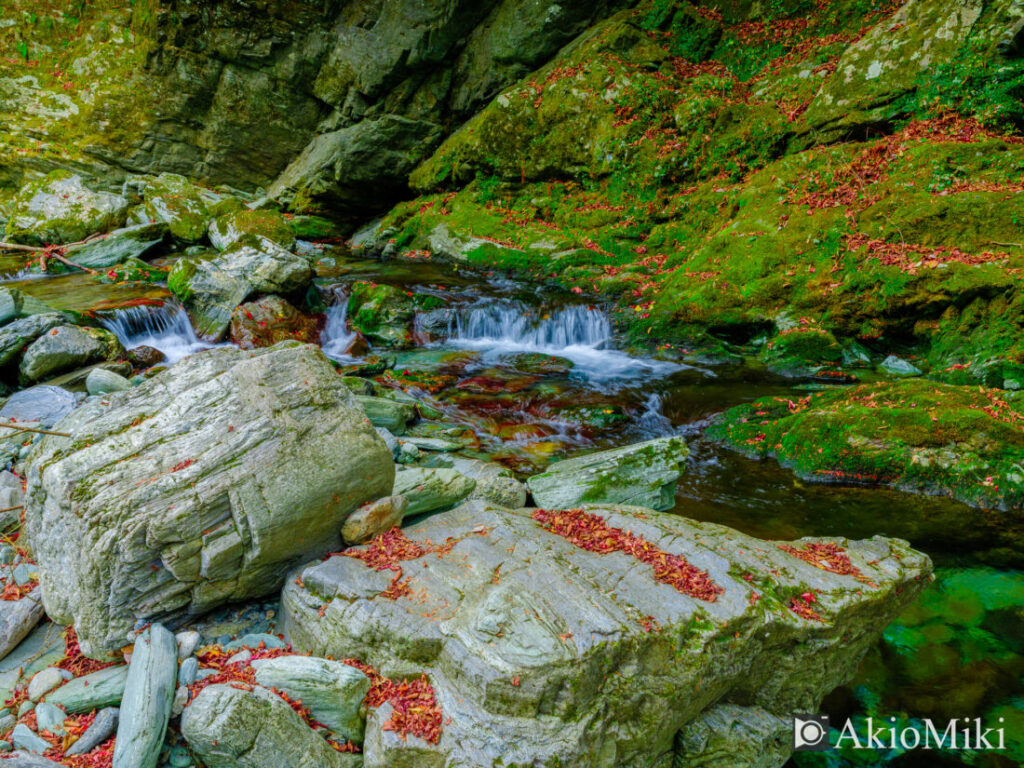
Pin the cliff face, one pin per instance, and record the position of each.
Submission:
(345, 98)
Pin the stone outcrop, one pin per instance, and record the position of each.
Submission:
(542, 651)
(197, 487)
(61, 209)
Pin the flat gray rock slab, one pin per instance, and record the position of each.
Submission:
(202, 485)
(148, 694)
(643, 474)
(96, 690)
(102, 728)
(509, 617)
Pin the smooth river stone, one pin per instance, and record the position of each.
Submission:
(100, 689)
(148, 696)
(101, 729)
(18, 618)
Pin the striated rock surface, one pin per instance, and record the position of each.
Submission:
(199, 486)
(543, 648)
(61, 209)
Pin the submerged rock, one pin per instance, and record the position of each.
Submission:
(61, 209)
(643, 474)
(170, 517)
(514, 612)
(211, 286)
(230, 728)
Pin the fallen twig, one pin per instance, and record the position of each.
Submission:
(21, 428)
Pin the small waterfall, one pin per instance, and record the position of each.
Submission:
(652, 422)
(336, 337)
(578, 333)
(165, 327)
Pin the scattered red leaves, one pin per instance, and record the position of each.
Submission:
(14, 592)
(592, 533)
(910, 257)
(387, 550)
(183, 465)
(416, 710)
(74, 661)
(801, 606)
(827, 556)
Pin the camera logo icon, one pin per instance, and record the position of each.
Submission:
(810, 733)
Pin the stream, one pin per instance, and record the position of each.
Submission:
(533, 375)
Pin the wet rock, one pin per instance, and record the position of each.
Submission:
(494, 483)
(103, 688)
(430, 490)
(529, 619)
(436, 444)
(43, 404)
(230, 728)
(101, 382)
(18, 618)
(333, 692)
(148, 694)
(802, 349)
(66, 348)
(269, 320)
(212, 285)
(643, 474)
(118, 246)
(173, 200)
(386, 413)
(102, 728)
(16, 337)
(359, 386)
(61, 209)
(155, 478)
(382, 313)
(897, 366)
(313, 227)
(228, 229)
(145, 357)
(373, 518)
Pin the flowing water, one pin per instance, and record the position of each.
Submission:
(534, 376)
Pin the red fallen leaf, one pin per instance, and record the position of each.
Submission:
(183, 465)
(515, 681)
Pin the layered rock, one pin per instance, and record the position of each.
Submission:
(61, 209)
(527, 623)
(152, 507)
(213, 285)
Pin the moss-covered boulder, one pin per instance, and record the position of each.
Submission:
(382, 313)
(61, 209)
(916, 435)
(508, 612)
(801, 350)
(227, 229)
(212, 285)
(125, 244)
(175, 201)
(269, 320)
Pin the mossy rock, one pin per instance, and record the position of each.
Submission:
(61, 209)
(174, 200)
(226, 230)
(801, 350)
(382, 313)
(916, 435)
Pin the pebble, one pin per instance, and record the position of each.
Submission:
(179, 757)
(50, 717)
(44, 681)
(26, 707)
(180, 700)
(6, 746)
(241, 656)
(100, 730)
(24, 738)
(254, 640)
(7, 722)
(25, 573)
(187, 643)
(7, 554)
(187, 672)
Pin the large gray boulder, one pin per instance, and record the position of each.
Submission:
(231, 728)
(618, 651)
(200, 486)
(212, 285)
(643, 474)
(61, 209)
